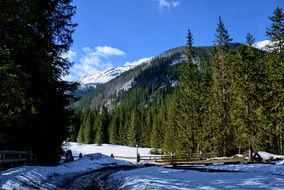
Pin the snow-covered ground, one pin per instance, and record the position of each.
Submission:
(41, 177)
(108, 149)
(268, 156)
(257, 177)
(242, 176)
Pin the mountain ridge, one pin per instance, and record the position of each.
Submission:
(164, 68)
(109, 74)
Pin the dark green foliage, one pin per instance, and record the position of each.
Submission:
(33, 36)
(88, 128)
(114, 127)
(74, 128)
(158, 127)
(170, 142)
(221, 91)
(133, 130)
(14, 101)
(247, 91)
(102, 123)
(274, 99)
(276, 30)
(223, 39)
(187, 121)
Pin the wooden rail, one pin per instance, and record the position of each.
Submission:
(157, 158)
(208, 162)
(172, 158)
(14, 157)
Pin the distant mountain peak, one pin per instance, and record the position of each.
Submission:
(107, 75)
(263, 45)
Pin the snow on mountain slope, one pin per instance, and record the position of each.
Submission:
(262, 45)
(105, 76)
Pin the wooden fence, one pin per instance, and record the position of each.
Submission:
(171, 158)
(11, 158)
(187, 160)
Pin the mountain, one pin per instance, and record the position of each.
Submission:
(105, 76)
(136, 107)
(138, 83)
(141, 84)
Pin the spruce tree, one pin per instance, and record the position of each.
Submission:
(276, 30)
(205, 83)
(133, 129)
(88, 129)
(81, 138)
(143, 130)
(220, 104)
(275, 87)
(170, 138)
(14, 103)
(75, 126)
(148, 127)
(124, 126)
(155, 133)
(99, 134)
(36, 33)
(247, 91)
(113, 130)
(102, 124)
(187, 121)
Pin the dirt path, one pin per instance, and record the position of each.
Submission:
(96, 180)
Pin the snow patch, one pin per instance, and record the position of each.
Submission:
(251, 177)
(108, 149)
(174, 83)
(268, 156)
(127, 85)
(43, 177)
(263, 45)
(178, 61)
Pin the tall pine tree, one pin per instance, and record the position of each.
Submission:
(220, 104)
(247, 91)
(188, 121)
(34, 34)
(275, 87)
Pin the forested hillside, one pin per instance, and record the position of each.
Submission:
(224, 99)
(151, 84)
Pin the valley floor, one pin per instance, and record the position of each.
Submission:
(104, 172)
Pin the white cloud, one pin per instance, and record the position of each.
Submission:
(176, 3)
(92, 61)
(70, 55)
(168, 4)
(108, 51)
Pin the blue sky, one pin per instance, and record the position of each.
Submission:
(112, 32)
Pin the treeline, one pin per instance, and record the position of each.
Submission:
(226, 104)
